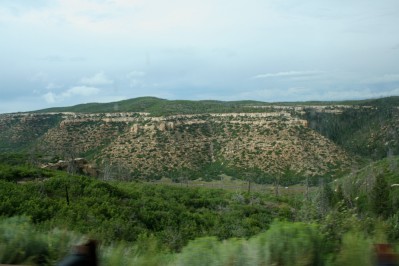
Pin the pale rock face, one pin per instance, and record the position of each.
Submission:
(135, 129)
(80, 164)
(170, 125)
(162, 126)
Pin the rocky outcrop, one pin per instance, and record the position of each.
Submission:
(78, 165)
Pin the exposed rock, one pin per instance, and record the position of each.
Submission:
(135, 128)
(162, 126)
(78, 165)
(170, 125)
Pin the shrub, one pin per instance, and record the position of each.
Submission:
(356, 249)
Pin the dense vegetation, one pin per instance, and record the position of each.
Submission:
(336, 224)
(130, 211)
(368, 132)
(14, 135)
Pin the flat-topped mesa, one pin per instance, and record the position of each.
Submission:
(152, 145)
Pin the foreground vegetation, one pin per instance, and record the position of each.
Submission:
(283, 244)
(45, 212)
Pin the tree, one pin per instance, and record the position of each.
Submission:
(380, 196)
(325, 198)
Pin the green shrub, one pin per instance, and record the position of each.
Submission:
(295, 244)
(283, 244)
(356, 249)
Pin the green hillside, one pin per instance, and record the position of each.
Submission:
(373, 188)
(157, 106)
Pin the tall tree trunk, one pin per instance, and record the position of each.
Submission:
(67, 194)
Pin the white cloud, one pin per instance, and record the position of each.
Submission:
(50, 97)
(52, 86)
(135, 78)
(287, 74)
(82, 91)
(98, 79)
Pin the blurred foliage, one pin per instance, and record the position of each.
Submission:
(285, 243)
(22, 243)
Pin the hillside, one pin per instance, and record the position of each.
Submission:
(359, 182)
(141, 146)
(370, 131)
(153, 138)
(373, 190)
(161, 107)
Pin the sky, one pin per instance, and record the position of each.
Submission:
(67, 52)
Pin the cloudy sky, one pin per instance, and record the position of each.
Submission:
(65, 52)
